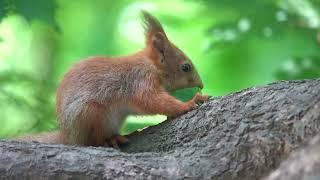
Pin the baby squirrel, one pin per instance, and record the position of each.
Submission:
(98, 93)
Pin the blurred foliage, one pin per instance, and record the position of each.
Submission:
(234, 44)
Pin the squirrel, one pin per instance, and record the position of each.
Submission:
(98, 93)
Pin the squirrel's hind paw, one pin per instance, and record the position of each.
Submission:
(116, 140)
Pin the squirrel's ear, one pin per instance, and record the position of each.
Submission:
(158, 45)
(152, 27)
(158, 41)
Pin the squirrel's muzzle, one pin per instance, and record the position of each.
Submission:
(201, 86)
(197, 81)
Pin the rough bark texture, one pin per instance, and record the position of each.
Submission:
(244, 135)
(304, 164)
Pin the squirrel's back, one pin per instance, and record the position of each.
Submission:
(104, 79)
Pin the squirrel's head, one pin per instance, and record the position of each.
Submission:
(177, 70)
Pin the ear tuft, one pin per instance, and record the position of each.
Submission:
(151, 26)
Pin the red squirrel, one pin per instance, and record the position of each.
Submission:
(98, 93)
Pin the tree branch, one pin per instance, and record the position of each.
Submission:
(244, 135)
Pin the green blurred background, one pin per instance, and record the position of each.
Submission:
(234, 44)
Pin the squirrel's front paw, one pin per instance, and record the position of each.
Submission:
(192, 104)
(196, 100)
(199, 98)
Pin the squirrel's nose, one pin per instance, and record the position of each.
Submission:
(198, 82)
(201, 86)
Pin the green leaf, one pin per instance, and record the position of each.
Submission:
(30, 9)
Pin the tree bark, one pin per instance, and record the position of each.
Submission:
(244, 135)
(304, 164)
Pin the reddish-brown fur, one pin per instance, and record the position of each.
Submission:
(98, 93)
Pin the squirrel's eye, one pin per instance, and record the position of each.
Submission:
(186, 67)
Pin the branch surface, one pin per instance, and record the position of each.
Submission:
(244, 135)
